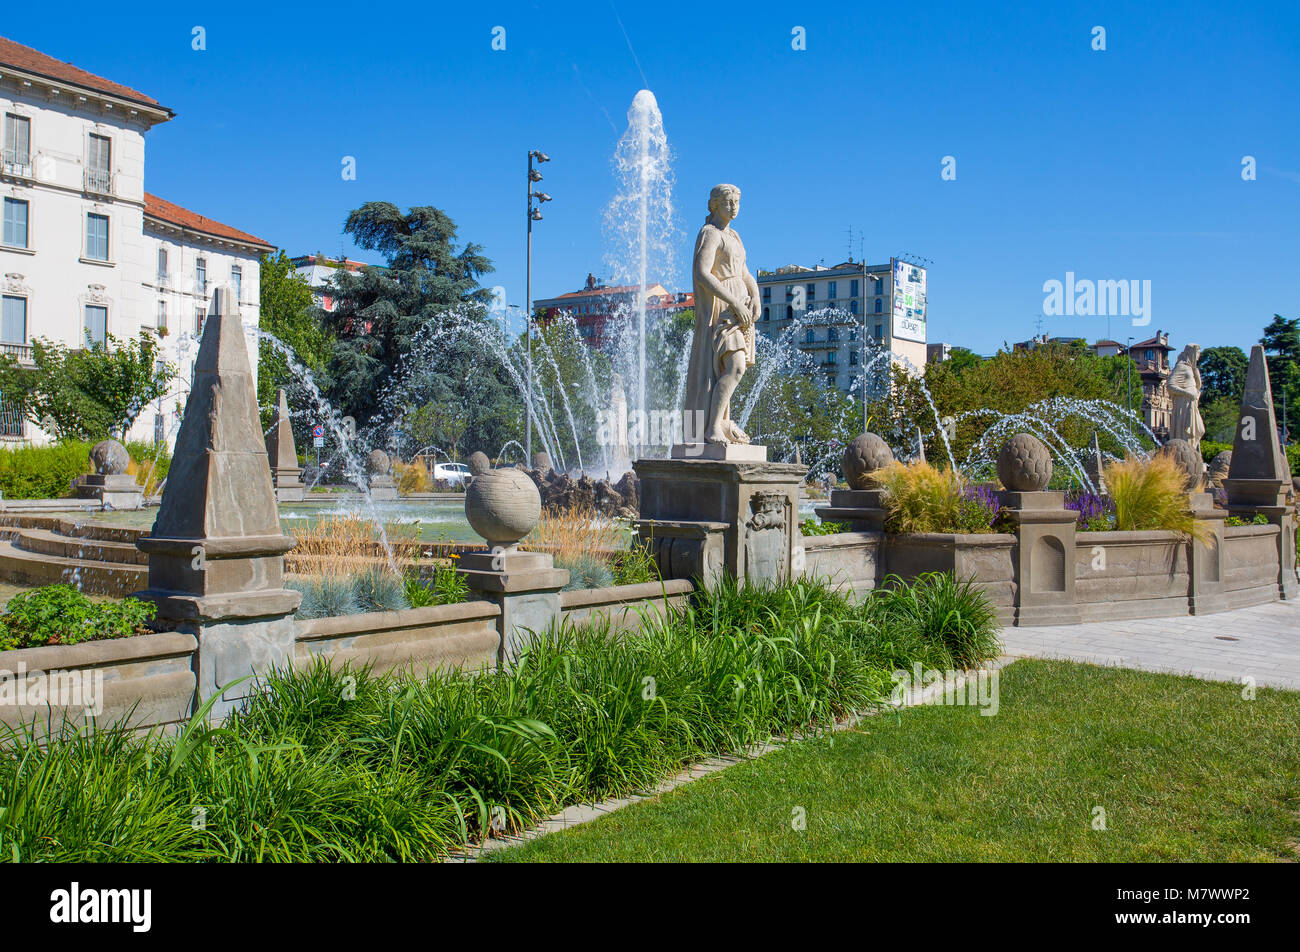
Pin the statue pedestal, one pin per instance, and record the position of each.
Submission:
(862, 509)
(1044, 557)
(739, 452)
(527, 587)
(288, 485)
(113, 492)
(382, 488)
(701, 517)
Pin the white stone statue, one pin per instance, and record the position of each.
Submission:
(726, 307)
(1185, 421)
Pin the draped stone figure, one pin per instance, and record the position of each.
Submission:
(1185, 421)
(726, 307)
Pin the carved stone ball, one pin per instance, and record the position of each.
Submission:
(377, 463)
(110, 458)
(503, 506)
(479, 463)
(1219, 466)
(866, 454)
(1188, 459)
(1024, 464)
(541, 461)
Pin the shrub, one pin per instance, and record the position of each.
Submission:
(815, 527)
(445, 587)
(413, 478)
(944, 610)
(61, 615)
(1259, 519)
(1148, 493)
(1211, 449)
(43, 472)
(920, 498)
(636, 566)
(380, 590)
(326, 596)
(149, 465)
(585, 571)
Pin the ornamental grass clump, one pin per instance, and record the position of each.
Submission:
(920, 498)
(1150, 493)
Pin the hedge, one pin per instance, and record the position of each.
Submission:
(42, 472)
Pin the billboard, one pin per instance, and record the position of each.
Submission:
(909, 300)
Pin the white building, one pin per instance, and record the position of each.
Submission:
(319, 271)
(85, 250)
(846, 314)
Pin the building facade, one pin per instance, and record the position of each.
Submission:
(318, 271)
(842, 318)
(596, 304)
(85, 252)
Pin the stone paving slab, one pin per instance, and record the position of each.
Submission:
(1262, 642)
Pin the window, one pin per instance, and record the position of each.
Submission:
(99, 164)
(789, 312)
(830, 357)
(810, 336)
(789, 292)
(830, 290)
(237, 279)
(830, 382)
(17, 140)
(853, 306)
(853, 288)
(765, 314)
(853, 358)
(833, 333)
(162, 315)
(812, 291)
(201, 275)
(880, 286)
(162, 265)
(767, 293)
(199, 315)
(879, 305)
(880, 332)
(96, 324)
(97, 237)
(13, 320)
(15, 223)
(853, 333)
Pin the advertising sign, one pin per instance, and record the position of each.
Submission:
(909, 300)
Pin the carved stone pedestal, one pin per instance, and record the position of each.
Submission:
(705, 517)
(1205, 568)
(1044, 557)
(862, 509)
(112, 491)
(527, 587)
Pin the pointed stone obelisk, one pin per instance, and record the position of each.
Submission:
(920, 446)
(282, 453)
(1258, 475)
(216, 551)
(1095, 466)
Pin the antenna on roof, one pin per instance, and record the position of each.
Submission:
(850, 244)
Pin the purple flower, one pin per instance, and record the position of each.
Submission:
(1087, 505)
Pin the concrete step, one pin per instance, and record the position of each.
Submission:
(48, 542)
(100, 578)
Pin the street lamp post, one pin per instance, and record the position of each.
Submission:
(1128, 352)
(533, 214)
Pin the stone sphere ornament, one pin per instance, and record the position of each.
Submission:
(866, 454)
(478, 463)
(377, 463)
(1219, 467)
(503, 506)
(1024, 464)
(1188, 459)
(542, 461)
(110, 458)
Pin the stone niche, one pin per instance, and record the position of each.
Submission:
(703, 517)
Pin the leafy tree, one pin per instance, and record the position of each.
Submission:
(1223, 373)
(289, 312)
(1281, 342)
(87, 393)
(959, 358)
(380, 312)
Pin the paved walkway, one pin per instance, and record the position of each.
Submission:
(1262, 642)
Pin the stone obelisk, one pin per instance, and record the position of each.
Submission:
(216, 551)
(282, 453)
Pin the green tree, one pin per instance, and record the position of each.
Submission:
(1281, 342)
(1223, 373)
(289, 312)
(87, 393)
(381, 311)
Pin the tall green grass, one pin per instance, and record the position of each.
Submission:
(343, 765)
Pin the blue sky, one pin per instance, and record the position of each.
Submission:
(1122, 164)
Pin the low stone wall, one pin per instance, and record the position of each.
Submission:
(1130, 575)
(623, 606)
(420, 640)
(858, 562)
(1250, 565)
(146, 681)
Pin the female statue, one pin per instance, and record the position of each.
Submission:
(1185, 421)
(726, 307)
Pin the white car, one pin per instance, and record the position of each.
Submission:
(453, 474)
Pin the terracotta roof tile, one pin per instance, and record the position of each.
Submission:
(172, 213)
(17, 56)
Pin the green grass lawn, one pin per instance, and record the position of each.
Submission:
(1185, 770)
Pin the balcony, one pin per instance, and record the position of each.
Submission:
(20, 352)
(15, 163)
(98, 181)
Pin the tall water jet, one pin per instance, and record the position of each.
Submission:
(641, 234)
